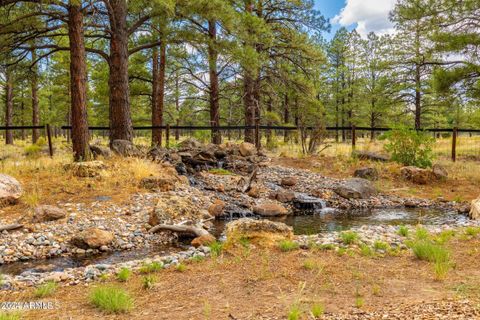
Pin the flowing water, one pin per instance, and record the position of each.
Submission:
(311, 217)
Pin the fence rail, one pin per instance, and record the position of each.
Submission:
(256, 128)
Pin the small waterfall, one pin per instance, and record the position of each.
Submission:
(308, 204)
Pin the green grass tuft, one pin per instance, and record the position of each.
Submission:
(111, 299)
(46, 289)
(421, 233)
(181, 267)
(472, 231)
(381, 246)
(216, 248)
(428, 251)
(148, 281)
(294, 313)
(288, 245)
(124, 274)
(10, 316)
(349, 237)
(403, 231)
(151, 267)
(366, 251)
(317, 310)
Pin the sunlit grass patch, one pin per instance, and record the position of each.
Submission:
(288, 245)
(124, 274)
(349, 237)
(151, 267)
(46, 289)
(111, 299)
(10, 316)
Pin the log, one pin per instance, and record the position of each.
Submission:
(189, 230)
(11, 227)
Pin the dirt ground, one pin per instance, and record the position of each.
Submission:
(462, 185)
(265, 284)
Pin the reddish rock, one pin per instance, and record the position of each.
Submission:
(93, 238)
(289, 181)
(204, 240)
(216, 208)
(270, 209)
(284, 196)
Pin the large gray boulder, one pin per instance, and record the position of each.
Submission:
(356, 188)
(100, 151)
(10, 190)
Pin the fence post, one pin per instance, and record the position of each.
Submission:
(49, 138)
(167, 137)
(454, 144)
(257, 136)
(354, 137)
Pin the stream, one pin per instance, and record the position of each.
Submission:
(319, 221)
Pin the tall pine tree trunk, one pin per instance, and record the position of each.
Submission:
(286, 118)
(157, 112)
(214, 86)
(418, 98)
(22, 118)
(177, 104)
(35, 106)
(120, 116)
(8, 106)
(154, 92)
(78, 84)
(249, 90)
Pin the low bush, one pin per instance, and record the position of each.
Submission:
(403, 231)
(216, 248)
(111, 299)
(431, 252)
(151, 267)
(410, 147)
(148, 282)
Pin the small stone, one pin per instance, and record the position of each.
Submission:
(270, 209)
(289, 181)
(204, 240)
(216, 208)
(46, 213)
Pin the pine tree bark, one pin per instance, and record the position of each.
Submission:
(157, 112)
(78, 84)
(35, 105)
(249, 91)
(120, 115)
(8, 106)
(286, 117)
(214, 86)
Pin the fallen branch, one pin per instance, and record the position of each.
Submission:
(188, 230)
(11, 227)
(245, 184)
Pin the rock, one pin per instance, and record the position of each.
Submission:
(48, 213)
(475, 210)
(171, 207)
(270, 209)
(440, 172)
(356, 188)
(418, 175)
(10, 190)
(204, 240)
(93, 238)
(289, 181)
(368, 173)
(100, 151)
(247, 149)
(189, 144)
(365, 155)
(88, 169)
(254, 192)
(263, 232)
(216, 208)
(125, 148)
(162, 184)
(284, 196)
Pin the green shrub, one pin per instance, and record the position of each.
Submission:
(410, 147)
(181, 267)
(151, 267)
(403, 231)
(349, 237)
(288, 245)
(111, 299)
(124, 274)
(46, 289)
(428, 251)
(148, 282)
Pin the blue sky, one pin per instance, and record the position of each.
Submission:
(365, 15)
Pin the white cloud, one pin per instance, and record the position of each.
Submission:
(369, 15)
